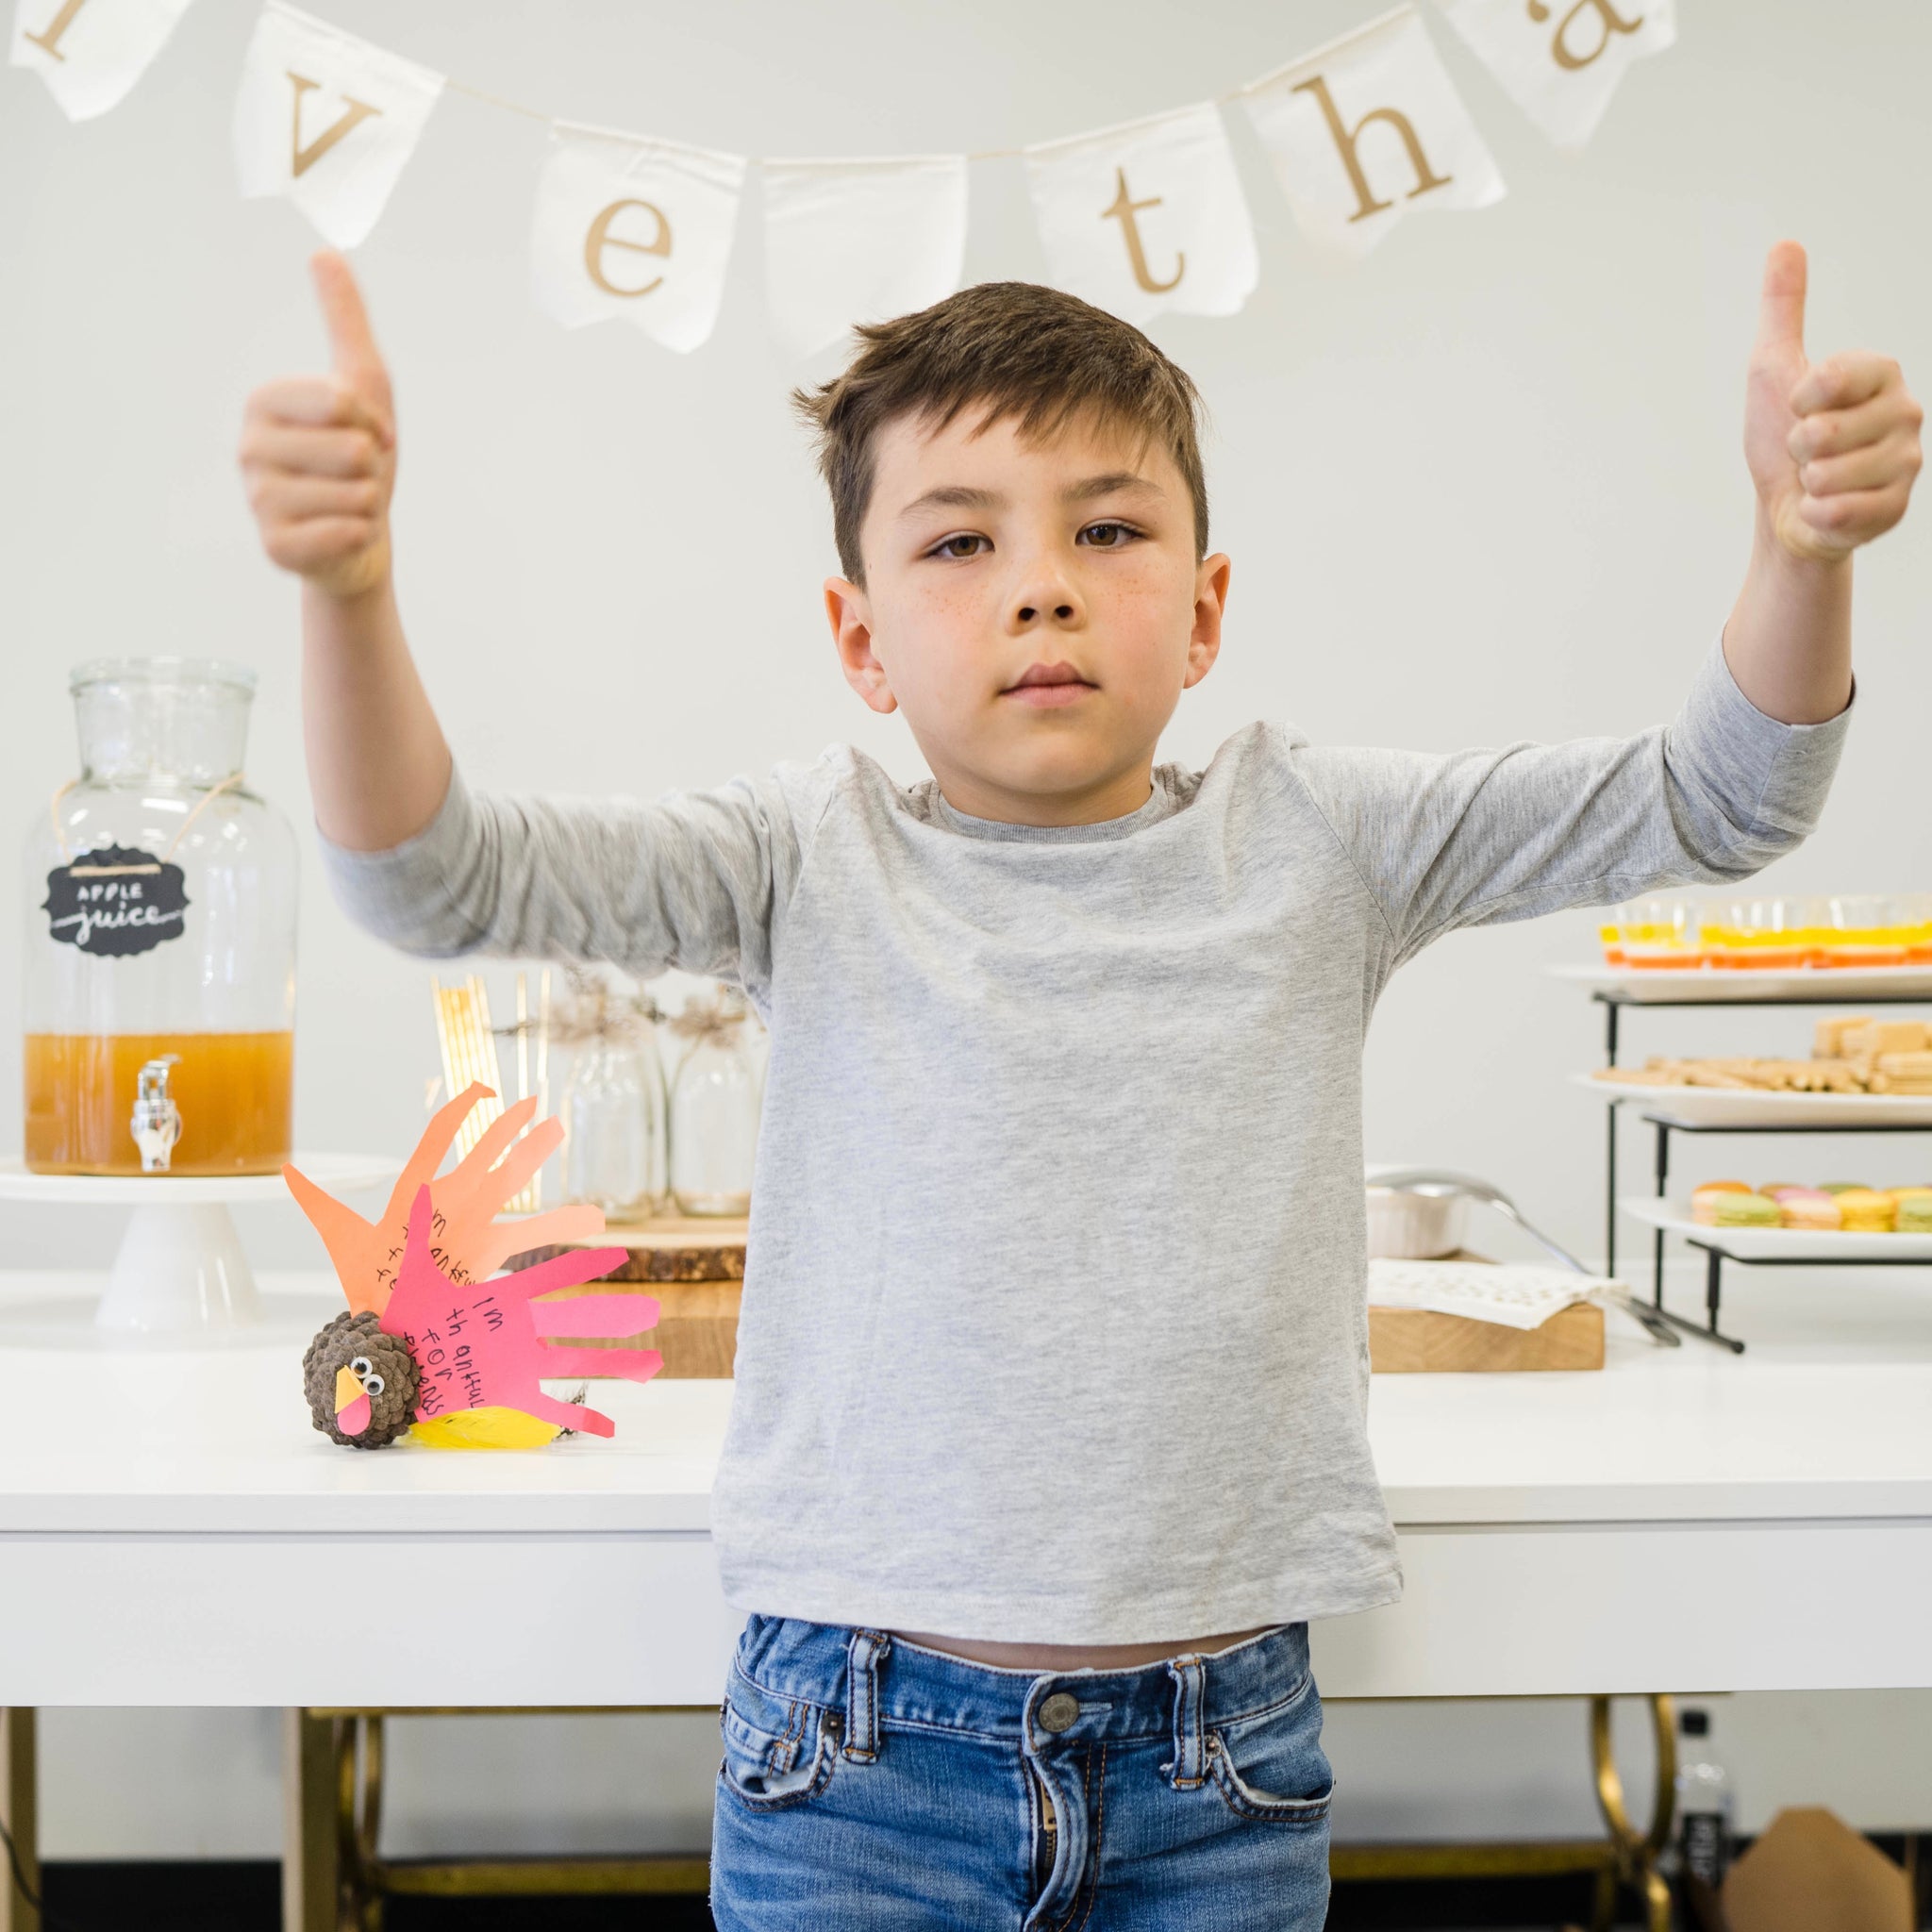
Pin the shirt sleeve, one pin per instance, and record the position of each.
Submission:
(1476, 836)
(693, 879)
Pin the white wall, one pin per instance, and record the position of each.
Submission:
(1484, 486)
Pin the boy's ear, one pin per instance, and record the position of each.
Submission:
(1210, 603)
(850, 612)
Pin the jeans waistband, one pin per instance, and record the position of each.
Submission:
(874, 1679)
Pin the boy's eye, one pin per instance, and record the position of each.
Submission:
(967, 544)
(1109, 536)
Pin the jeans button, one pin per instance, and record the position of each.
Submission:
(1058, 1712)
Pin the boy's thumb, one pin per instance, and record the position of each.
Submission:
(351, 342)
(1781, 304)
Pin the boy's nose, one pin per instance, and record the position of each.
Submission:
(1044, 598)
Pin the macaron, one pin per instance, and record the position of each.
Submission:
(1810, 1208)
(1746, 1210)
(1843, 1188)
(1703, 1200)
(1914, 1210)
(1867, 1211)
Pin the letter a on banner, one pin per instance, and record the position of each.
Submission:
(637, 229)
(1561, 60)
(92, 52)
(1146, 218)
(327, 121)
(850, 242)
(1367, 128)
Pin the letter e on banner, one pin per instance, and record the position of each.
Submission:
(326, 121)
(1561, 60)
(640, 229)
(1366, 129)
(92, 52)
(1147, 217)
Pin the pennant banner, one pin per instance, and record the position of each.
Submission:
(92, 52)
(1561, 63)
(327, 121)
(1147, 217)
(1367, 128)
(639, 230)
(851, 242)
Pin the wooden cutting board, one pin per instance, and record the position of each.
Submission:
(1415, 1341)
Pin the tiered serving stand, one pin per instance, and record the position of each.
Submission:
(180, 1275)
(1669, 1110)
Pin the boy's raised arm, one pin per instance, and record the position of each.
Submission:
(319, 454)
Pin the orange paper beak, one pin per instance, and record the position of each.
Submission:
(352, 1404)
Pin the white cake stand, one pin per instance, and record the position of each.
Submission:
(180, 1270)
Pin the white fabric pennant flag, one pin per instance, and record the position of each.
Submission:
(1147, 217)
(92, 52)
(1561, 60)
(1365, 129)
(327, 121)
(637, 229)
(850, 242)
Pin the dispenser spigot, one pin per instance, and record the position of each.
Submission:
(157, 1121)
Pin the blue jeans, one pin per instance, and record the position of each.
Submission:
(870, 1783)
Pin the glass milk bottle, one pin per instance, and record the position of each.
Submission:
(158, 970)
(715, 1097)
(614, 1109)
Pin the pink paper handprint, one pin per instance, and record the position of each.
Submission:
(482, 1344)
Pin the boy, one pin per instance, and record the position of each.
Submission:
(1056, 1035)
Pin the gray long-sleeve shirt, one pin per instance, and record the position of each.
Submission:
(1053, 1324)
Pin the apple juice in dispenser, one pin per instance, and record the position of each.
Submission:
(159, 969)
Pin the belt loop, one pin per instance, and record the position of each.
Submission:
(1189, 1676)
(867, 1650)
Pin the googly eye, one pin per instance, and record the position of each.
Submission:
(361, 1368)
(371, 1384)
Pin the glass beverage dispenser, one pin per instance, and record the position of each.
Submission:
(159, 968)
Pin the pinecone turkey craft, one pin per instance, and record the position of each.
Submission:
(434, 1343)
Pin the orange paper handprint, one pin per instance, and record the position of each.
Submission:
(467, 1241)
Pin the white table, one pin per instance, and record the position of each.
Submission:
(174, 1532)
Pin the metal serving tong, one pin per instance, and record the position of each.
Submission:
(1444, 1183)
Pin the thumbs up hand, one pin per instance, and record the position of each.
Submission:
(319, 452)
(1833, 446)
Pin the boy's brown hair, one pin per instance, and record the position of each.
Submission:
(1013, 349)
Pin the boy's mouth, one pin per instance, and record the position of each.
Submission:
(1046, 685)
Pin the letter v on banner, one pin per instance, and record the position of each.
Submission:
(1366, 129)
(327, 121)
(92, 52)
(1561, 60)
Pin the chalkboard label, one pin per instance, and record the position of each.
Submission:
(115, 902)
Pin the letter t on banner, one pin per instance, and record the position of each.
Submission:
(327, 121)
(635, 228)
(92, 52)
(1147, 217)
(1364, 129)
(1561, 60)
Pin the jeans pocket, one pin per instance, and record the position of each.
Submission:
(1270, 1765)
(778, 1751)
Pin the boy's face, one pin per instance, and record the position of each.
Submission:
(1036, 608)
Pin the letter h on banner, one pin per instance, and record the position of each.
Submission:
(1146, 218)
(1366, 129)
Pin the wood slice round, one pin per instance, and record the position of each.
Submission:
(675, 1248)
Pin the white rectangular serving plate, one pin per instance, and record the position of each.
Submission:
(1717, 984)
(1775, 1243)
(1733, 1107)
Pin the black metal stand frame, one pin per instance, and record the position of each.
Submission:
(1613, 1001)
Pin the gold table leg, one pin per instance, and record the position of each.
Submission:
(310, 1865)
(1635, 1853)
(20, 1814)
